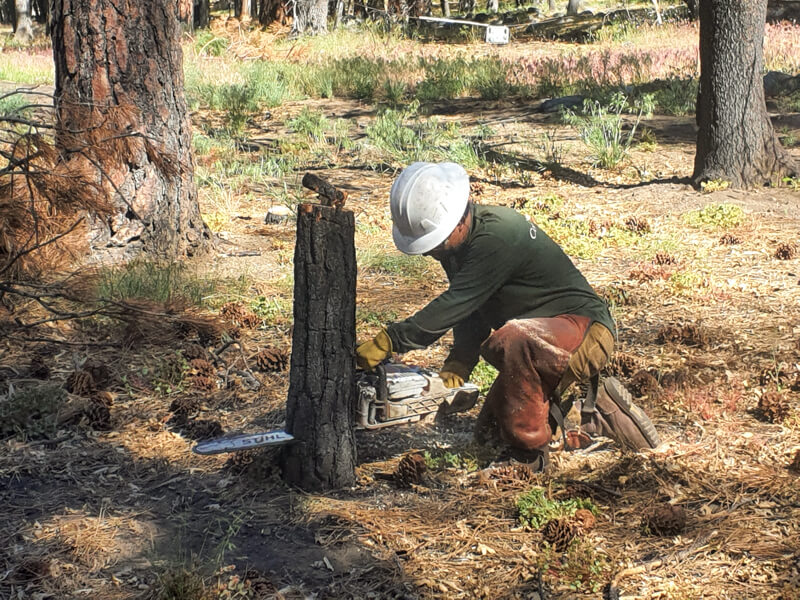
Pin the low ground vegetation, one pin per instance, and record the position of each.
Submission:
(104, 498)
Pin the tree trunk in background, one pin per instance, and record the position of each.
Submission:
(735, 140)
(186, 14)
(691, 6)
(311, 17)
(242, 10)
(492, 5)
(574, 7)
(23, 33)
(446, 8)
(271, 11)
(321, 401)
(118, 68)
(41, 11)
(202, 13)
(551, 6)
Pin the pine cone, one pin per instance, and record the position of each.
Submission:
(261, 587)
(560, 533)
(774, 406)
(201, 367)
(795, 465)
(624, 365)
(584, 520)
(730, 239)
(638, 225)
(665, 519)
(677, 379)
(512, 474)
(99, 372)
(183, 406)
(80, 383)
(193, 351)
(201, 429)
(241, 316)
(203, 382)
(271, 359)
(239, 461)
(103, 398)
(689, 334)
(664, 258)
(643, 384)
(410, 470)
(98, 415)
(786, 251)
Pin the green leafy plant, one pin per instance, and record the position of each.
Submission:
(208, 43)
(715, 216)
(483, 375)
(273, 310)
(535, 507)
(602, 128)
(450, 460)
(31, 412)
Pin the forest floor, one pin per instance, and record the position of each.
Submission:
(705, 288)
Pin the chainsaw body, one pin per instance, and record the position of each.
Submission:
(396, 393)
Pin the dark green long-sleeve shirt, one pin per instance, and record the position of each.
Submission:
(506, 269)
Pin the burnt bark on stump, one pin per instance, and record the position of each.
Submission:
(320, 405)
(735, 139)
(118, 69)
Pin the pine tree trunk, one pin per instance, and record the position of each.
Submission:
(202, 14)
(311, 17)
(574, 7)
(270, 11)
(445, 8)
(186, 14)
(320, 405)
(24, 29)
(124, 58)
(735, 140)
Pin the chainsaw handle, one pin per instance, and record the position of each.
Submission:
(382, 391)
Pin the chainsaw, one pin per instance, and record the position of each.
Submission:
(395, 393)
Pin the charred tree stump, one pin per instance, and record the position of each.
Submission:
(320, 406)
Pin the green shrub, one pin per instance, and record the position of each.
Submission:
(207, 43)
(602, 128)
(14, 105)
(271, 82)
(536, 508)
(31, 412)
(445, 79)
(311, 124)
(716, 216)
(676, 97)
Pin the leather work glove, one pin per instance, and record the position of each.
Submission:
(372, 353)
(453, 374)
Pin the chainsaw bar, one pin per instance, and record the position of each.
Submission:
(243, 442)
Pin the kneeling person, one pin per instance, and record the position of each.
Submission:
(516, 299)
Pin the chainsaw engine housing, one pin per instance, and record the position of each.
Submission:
(396, 393)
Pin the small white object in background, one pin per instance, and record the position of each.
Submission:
(496, 34)
(278, 214)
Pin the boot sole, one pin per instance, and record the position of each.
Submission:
(623, 399)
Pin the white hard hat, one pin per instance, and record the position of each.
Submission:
(427, 202)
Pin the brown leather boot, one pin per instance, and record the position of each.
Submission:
(617, 417)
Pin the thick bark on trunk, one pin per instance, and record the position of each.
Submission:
(119, 68)
(24, 29)
(320, 406)
(311, 17)
(735, 140)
